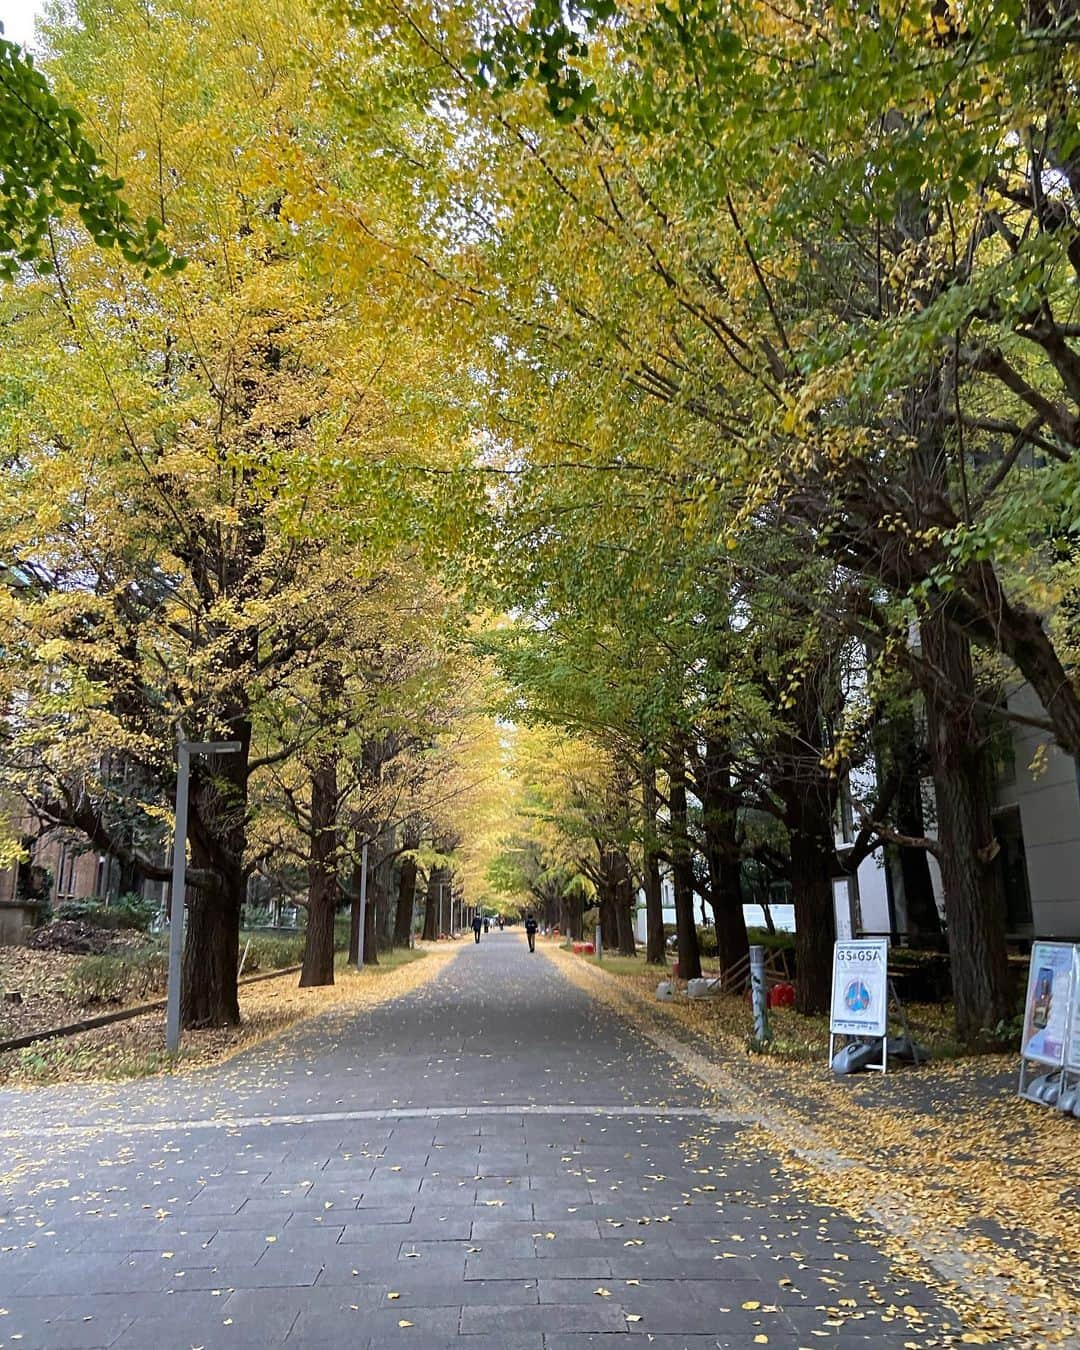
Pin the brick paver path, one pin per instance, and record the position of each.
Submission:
(491, 1163)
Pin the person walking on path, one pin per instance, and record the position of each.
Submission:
(530, 931)
(477, 924)
(487, 924)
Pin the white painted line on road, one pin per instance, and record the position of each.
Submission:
(383, 1114)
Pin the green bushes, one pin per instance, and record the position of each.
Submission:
(142, 975)
(267, 952)
(134, 977)
(129, 911)
(772, 942)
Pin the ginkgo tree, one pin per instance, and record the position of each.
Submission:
(196, 459)
(848, 247)
(817, 273)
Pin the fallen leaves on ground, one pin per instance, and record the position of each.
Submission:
(978, 1182)
(135, 1048)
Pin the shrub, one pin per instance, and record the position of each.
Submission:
(706, 939)
(772, 942)
(136, 911)
(131, 978)
(271, 953)
(130, 911)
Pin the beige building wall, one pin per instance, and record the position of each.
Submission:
(1048, 799)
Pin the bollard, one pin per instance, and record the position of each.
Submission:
(759, 995)
(598, 952)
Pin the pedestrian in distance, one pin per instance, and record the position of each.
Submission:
(530, 931)
(477, 924)
(487, 924)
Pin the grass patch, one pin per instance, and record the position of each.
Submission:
(388, 961)
(630, 965)
(727, 1017)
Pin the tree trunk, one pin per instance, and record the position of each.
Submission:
(323, 886)
(574, 911)
(217, 832)
(623, 896)
(318, 959)
(607, 920)
(732, 942)
(812, 853)
(808, 792)
(318, 964)
(974, 899)
(722, 854)
(406, 899)
(208, 996)
(131, 877)
(371, 916)
(431, 904)
(682, 869)
(655, 952)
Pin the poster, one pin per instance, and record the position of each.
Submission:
(1072, 1044)
(860, 987)
(1046, 1009)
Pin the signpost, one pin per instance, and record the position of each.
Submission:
(860, 994)
(759, 995)
(1072, 1041)
(1051, 1036)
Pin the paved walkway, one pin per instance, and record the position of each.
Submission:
(491, 1163)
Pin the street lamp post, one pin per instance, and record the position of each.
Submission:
(184, 751)
(363, 909)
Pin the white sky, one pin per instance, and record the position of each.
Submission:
(17, 17)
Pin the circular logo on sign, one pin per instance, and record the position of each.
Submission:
(857, 996)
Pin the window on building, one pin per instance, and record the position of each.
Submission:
(65, 872)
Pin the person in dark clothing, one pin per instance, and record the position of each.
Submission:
(477, 924)
(530, 931)
(487, 924)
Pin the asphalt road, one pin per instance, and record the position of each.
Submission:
(492, 1162)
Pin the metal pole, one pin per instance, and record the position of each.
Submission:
(762, 1030)
(176, 899)
(441, 928)
(599, 942)
(363, 909)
